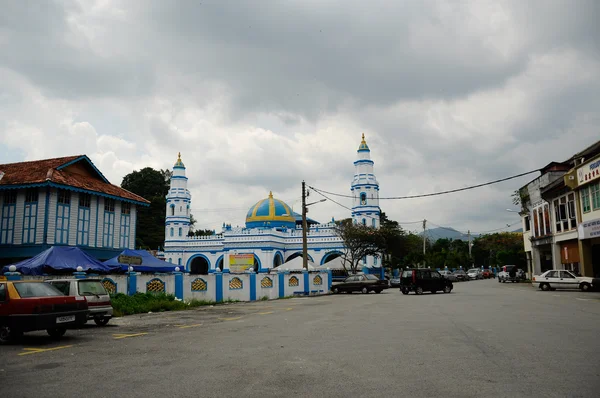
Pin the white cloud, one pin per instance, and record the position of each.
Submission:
(448, 95)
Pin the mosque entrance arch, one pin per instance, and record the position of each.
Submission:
(199, 266)
(330, 256)
(278, 260)
(298, 254)
(220, 263)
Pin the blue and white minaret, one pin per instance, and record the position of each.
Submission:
(365, 193)
(177, 223)
(365, 189)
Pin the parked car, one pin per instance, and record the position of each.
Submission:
(510, 273)
(560, 279)
(360, 283)
(460, 275)
(419, 280)
(97, 297)
(448, 275)
(474, 273)
(488, 274)
(395, 282)
(596, 284)
(26, 306)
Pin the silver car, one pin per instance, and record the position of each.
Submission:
(100, 308)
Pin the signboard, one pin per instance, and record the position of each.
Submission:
(240, 262)
(569, 252)
(131, 260)
(589, 229)
(588, 172)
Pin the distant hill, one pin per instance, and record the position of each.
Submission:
(450, 233)
(447, 233)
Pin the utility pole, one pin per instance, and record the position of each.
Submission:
(304, 238)
(424, 240)
(469, 234)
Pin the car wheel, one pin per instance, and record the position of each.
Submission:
(6, 335)
(378, 291)
(585, 287)
(447, 289)
(101, 321)
(56, 332)
(365, 290)
(404, 291)
(545, 287)
(499, 280)
(419, 290)
(336, 290)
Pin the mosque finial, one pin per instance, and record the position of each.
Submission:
(270, 194)
(179, 162)
(363, 143)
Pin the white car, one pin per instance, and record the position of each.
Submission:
(474, 273)
(560, 279)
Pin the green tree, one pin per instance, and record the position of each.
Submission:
(152, 185)
(359, 241)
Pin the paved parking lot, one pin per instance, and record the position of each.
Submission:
(485, 339)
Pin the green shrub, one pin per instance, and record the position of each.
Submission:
(141, 303)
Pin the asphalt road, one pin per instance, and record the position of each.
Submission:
(485, 339)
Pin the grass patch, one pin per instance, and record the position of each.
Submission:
(141, 303)
(264, 298)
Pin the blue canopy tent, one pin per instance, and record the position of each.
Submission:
(61, 260)
(149, 263)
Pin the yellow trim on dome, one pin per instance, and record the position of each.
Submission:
(271, 216)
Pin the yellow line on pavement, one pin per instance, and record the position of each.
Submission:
(230, 319)
(124, 336)
(189, 326)
(289, 309)
(265, 313)
(38, 350)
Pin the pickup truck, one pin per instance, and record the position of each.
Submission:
(561, 279)
(26, 306)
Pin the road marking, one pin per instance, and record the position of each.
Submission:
(289, 309)
(582, 299)
(231, 319)
(556, 295)
(38, 350)
(265, 313)
(124, 336)
(188, 326)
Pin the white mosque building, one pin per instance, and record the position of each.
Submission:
(273, 232)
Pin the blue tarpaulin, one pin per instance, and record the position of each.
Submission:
(149, 262)
(61, 260)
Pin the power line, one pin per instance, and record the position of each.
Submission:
(435, 193)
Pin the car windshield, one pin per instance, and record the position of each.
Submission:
(36, 289)
(372, 277)
(91, 288)
(473, 270)
(407, 274)
(459, 272)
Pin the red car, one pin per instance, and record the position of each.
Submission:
(487, 274)
(26, 306)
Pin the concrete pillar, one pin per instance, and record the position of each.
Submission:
(556, 263)
(281, 283)
(536, 264)
(218, 286)
(306, 282)
(178, 284)
(252, 286)
(131, 283)
(585, 258)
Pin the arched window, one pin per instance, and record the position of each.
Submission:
(172, 210)
(364, 259)
(374, 223)
(178, 261)
(364, 222)
(363, 198)
(180, 231)
(375, 261)
(355, 222)
(171, 231)
(170, 260)
(180, 209)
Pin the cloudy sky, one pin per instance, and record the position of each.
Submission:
(259, 95)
